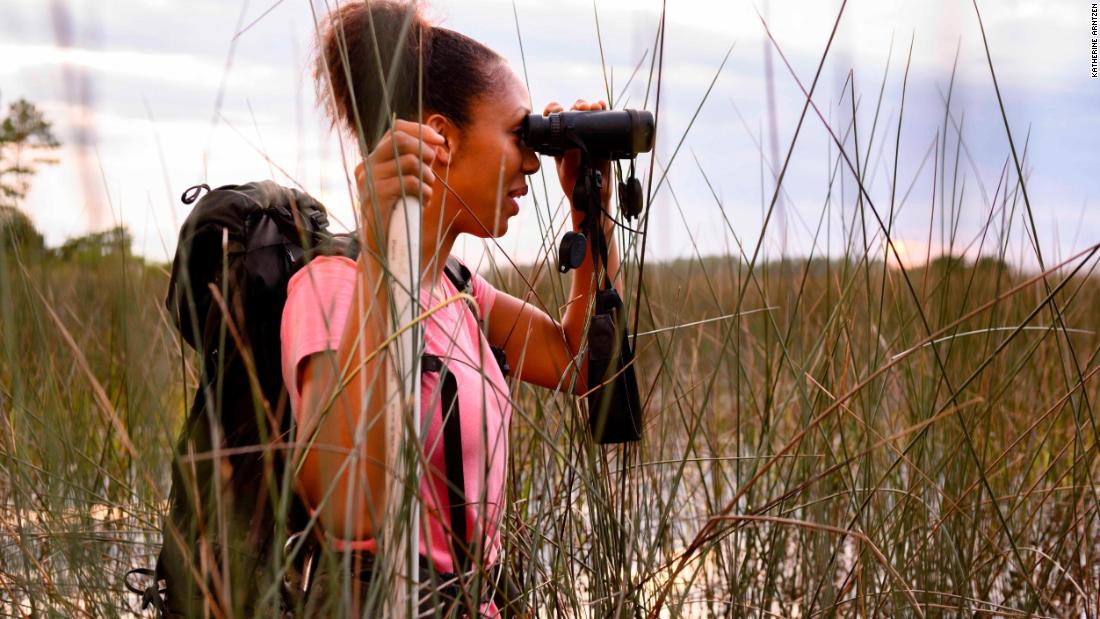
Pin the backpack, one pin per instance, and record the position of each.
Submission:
(232, 504)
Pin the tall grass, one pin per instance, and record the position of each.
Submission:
(855, 436)
(91, 396)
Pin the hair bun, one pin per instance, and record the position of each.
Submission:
(368, 67)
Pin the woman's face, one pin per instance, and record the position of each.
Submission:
(489, 162)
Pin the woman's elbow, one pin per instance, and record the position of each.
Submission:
(579, 381)
(344, 509)
(338, 523)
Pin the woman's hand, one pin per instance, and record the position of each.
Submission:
(398, 164)
(569, 163)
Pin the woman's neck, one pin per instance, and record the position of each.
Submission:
(436, 239)
(434, 252)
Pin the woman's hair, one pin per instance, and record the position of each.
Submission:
(368, 49)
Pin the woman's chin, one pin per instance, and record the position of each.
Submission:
(489, 231)
(508, 210)
(502, 228)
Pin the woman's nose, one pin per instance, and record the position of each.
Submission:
(530, 163)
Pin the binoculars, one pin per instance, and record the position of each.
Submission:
(602, 134)
(614, 403)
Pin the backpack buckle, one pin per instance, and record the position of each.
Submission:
(319, 219)
(299, 574)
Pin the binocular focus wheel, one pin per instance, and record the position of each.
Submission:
(571, 251)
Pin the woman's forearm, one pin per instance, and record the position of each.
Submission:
(353, 425)
(584, 287)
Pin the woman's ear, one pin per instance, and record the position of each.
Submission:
(444, 127)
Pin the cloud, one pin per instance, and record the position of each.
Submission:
(169, 62)
(182, 69)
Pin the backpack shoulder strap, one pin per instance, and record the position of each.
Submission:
(460, 276)
(452, 454)
(452, 429)
(458, 273)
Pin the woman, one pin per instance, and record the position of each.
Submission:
(467, 162)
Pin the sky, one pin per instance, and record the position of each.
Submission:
(150, 97)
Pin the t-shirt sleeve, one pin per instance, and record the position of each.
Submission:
(318, 298)
(484, 293)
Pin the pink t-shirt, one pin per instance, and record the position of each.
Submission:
(318, 299)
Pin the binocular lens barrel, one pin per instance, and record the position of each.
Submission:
(611, 134)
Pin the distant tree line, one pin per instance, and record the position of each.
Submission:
(18, 234)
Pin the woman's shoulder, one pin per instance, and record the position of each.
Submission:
(479, 288)
(326, 264)
(323, 270)
(324, 285)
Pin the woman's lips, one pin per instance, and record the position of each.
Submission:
(514, 196)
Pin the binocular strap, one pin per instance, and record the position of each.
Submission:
(452, 455)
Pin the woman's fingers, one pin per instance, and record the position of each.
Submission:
(390, 190)
(416, 130)
(411, 166)
(406, 166)
(409, 185)
(580, 105)
(408, 163)
(401, 164)
(406, 141)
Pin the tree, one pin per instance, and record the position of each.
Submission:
(17, 231)
(26, 139)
